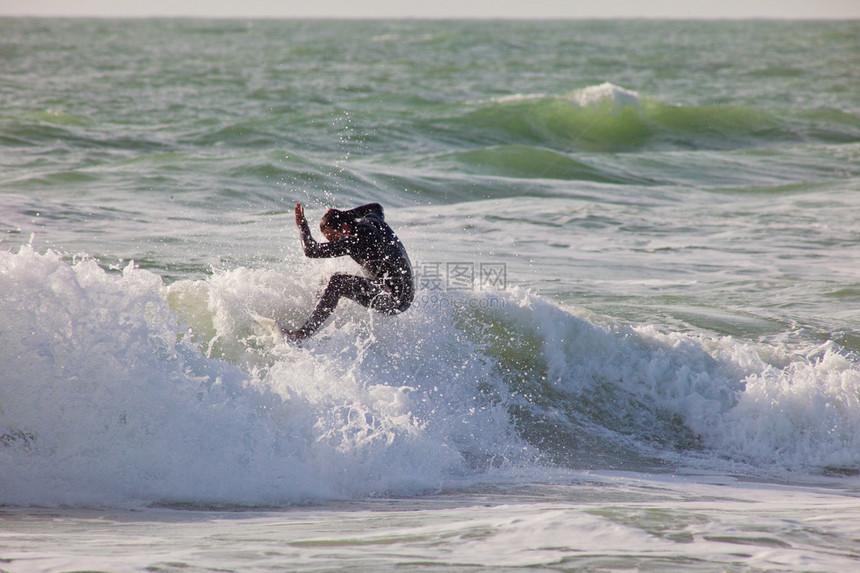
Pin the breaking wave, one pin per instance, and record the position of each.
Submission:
(609, 118)
(117, 389)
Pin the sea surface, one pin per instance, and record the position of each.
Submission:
(635, 343)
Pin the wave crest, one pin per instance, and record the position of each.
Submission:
(609, 118)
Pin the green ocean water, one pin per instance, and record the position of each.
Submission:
(658, 369)
(166, 141)
(178, 139)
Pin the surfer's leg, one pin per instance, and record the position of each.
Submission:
(359, 289)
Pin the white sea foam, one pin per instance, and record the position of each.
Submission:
(110, 395)
(599, 94)
(118, 405)
(606, 92)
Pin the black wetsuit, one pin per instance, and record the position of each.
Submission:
(373, 245)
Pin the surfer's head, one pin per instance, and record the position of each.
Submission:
(335, 225)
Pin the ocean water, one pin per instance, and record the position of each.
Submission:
(636, 340)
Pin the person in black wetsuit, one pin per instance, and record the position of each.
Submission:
(363, 234)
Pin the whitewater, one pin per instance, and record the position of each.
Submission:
(635, 341)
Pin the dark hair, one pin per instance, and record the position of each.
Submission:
(334, 219)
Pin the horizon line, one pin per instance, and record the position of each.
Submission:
(430, 18)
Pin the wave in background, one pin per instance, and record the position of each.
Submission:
(118, 389)
(554, 136)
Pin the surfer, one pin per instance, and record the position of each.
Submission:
(363, 234)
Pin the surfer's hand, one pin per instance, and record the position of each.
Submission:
(300, 215)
